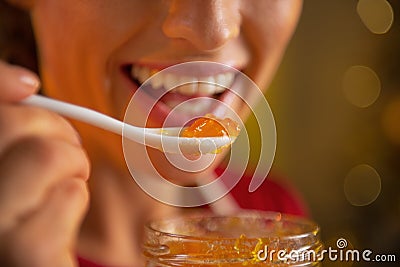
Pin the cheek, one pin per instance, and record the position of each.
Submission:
(63, 40)
(267, 27)
(75, 48)
(270, 24)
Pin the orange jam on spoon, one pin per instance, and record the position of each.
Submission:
(210, 126)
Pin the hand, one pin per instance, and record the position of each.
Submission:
(43, 174)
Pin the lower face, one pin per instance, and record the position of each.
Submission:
(98, 53)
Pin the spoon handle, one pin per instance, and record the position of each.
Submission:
(76, 112)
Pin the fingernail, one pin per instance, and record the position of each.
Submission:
(30, 81)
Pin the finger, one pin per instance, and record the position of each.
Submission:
(17, 122)
(29, 168)
(47, 237)
(16, 82)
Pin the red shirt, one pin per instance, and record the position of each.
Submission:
(270, 196)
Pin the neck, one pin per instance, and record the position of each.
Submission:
(112, 230)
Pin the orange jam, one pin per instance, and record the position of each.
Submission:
(210, 126)
(250, 239)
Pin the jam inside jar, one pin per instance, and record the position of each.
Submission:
(251, 238)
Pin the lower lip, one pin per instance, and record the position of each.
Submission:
(160, 110)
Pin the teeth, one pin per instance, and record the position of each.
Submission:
(207, 86)
(157, 81)
(185, 85)
(189, 86)
(225, 80)
(170, 81)
(191, 107)
(143, 74)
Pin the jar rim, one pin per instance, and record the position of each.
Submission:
(310, 228)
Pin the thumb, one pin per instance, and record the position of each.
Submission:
(16, 82)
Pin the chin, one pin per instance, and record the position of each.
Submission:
(177, 175)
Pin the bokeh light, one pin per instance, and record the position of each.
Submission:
(362, 185)
(377, 15)
(361, 86)
(391, 120)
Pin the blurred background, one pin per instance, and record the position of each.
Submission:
(336, 101)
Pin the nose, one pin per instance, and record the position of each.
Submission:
(206, 24)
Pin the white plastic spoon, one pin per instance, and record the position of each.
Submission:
(164, 139)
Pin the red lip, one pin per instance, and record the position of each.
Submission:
(159, 111)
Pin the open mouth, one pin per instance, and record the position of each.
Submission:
(189, 93)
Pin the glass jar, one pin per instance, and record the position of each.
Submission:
(251, 238)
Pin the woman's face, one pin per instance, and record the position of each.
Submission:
(96, 52)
